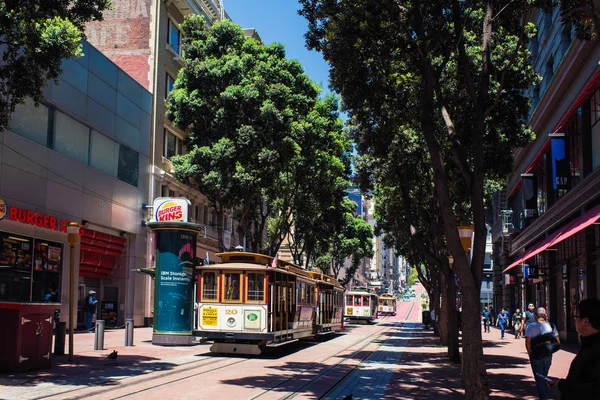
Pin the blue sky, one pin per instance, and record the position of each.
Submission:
(278, 21)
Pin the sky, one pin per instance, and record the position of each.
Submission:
(278, 21)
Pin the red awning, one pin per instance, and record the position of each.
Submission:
(586, 220)
(98, 253)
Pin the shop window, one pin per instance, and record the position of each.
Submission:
(256, 286)
(128, 169)
(231, 282)
(104, 153)
(31, 122)
(71, 138)
(47, 262)
(29, 269)
(210, 286)
(174, 37)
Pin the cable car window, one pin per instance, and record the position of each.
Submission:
(303, 292)
(232, 286)
(366, 301)
(210, 288)
(349, 300)
(357, 300)
(256, 286)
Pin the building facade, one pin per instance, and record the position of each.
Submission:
(81, 156)
(546, 240)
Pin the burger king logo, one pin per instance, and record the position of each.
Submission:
(2, 209)
(169, 211)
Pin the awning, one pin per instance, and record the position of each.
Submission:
(586, 220)
(98, 253)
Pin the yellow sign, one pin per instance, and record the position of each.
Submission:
(349, 311)
(210, 316)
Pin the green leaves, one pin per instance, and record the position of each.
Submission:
(36, 38)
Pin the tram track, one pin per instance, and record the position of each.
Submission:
(221, 363)
(194, 365)
(331, 368)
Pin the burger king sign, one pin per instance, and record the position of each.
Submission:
(171, 209)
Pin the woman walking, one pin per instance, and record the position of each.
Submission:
(502, 321)
(518, 323)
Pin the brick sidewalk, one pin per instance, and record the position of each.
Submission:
(425, 373)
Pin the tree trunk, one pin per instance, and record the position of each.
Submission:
(435, 305)
(474, 374)
(220, 228)
(443, 325)
(452, 320)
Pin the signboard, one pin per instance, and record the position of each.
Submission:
(210, 316)
(561, 172)
(252, 319)
(536, 280)
(509, 279)
(30, 217)
(349, 311)
(171, 209)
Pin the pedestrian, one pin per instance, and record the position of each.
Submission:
(529, 316)
(50, 296)
(540, 363)
(90, 309)
(583, 380)
(485, 316)
(501, 321)
(518, 323)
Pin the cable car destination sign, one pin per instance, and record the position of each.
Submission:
(171, 209)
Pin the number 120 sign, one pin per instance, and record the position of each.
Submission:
(171, 209)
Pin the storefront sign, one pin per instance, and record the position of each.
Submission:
(560, 162)
(171, 209)
(29, 217)
(536, 280)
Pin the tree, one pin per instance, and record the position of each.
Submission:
(350, 237)
(240, 100)
(462, 67)
(311, 183)
(35, 37)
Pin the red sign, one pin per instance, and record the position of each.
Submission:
(38, 219)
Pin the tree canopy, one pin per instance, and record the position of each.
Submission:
(240, 100)
(35, 36)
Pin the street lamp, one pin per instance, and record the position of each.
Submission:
(466, 233)
(73, 238)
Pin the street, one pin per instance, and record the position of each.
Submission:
(393, 358)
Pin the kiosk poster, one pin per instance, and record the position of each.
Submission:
(176, 251)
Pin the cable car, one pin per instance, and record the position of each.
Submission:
(361, 305)
(387, 304)
(249, 302)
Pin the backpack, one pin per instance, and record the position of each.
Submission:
(544, 345)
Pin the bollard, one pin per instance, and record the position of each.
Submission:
(99, 335)
(59, 338)
(129, 332)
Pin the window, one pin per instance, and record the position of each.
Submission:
(231, 284)
(357, 300)
(71, 138)
(173, 37)
(366, 301)
(169, 85)
(256, 286)
(196, 212)
(174, 145)
(31, 122)
(164, 191)
(128, 165)
(104, 153)
(210, 286)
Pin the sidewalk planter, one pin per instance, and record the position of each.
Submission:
(26, 336)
